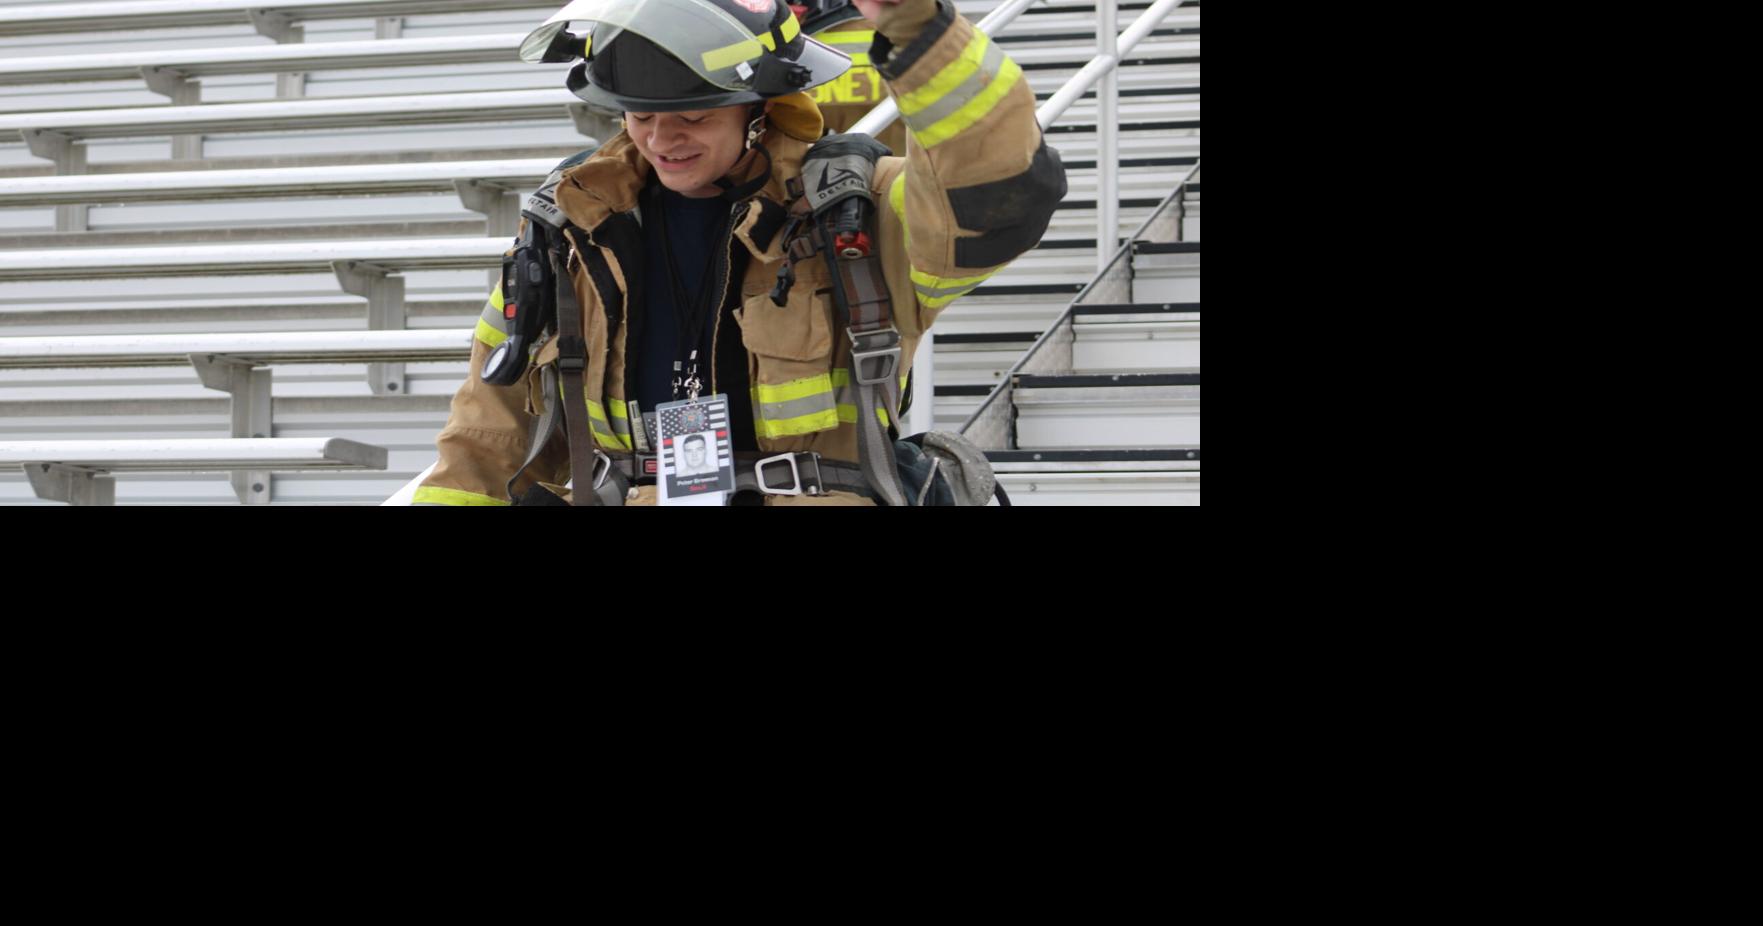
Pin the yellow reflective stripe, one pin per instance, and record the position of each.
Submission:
(488, 334)
(936, 292)
(933, 282)
(746, 50)
(859, 59)
(848, 415)
(853, 37)
(897, 199)
(805, 424)
(949, 78)
(794, 389)
(820, 386)
(603, 429)
(428, 495)
(976, 109)
(490, 323)
(723, 58)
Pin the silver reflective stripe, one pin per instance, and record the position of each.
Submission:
(493, 311)
(796, 408)
(929, 292)
(979, 80)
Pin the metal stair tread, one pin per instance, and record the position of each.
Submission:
(1106, 381)
(1137, 308)
(1166, 247)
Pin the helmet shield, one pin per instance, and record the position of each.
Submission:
(737, 46)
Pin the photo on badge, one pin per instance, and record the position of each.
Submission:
(695, 452)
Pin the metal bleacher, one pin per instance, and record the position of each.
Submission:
(178, 178)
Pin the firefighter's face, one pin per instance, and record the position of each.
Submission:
(690, 150)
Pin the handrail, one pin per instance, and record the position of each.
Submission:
(1081, 83)
(885, 112)
(1112, 49)
(46, 18)
(1007, 385)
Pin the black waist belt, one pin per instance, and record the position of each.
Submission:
(800, 473)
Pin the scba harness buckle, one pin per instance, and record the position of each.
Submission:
(815, 487)
(875, 356)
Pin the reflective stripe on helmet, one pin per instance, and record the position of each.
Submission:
(726, 57)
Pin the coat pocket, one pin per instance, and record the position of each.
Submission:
(801, 329)
(792, 350)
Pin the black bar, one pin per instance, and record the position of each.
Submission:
(1094, 456)
(1105, 381)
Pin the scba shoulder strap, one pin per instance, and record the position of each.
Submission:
(834, 216)
(539, 296)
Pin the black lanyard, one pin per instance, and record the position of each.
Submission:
(694, 315)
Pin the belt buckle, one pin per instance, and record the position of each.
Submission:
(602, 468)
(817, 487)
(883, 346)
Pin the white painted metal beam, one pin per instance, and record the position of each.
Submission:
(165, 14)
(287, 115)
(196, 456)
(154, 350)
(264, 59)
(166, 186)
(203, 260)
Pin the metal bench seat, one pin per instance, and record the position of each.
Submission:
(170, 186)
(153, 350)
(42, 130)
(299, 257)
(50, 18)
(263, 59)
(80, 472)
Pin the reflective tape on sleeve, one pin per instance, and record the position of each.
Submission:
(429, 495)
(961, 94)
(936, 292)
(603, 429)
(852, 37)
(492, 327)
(801, 406)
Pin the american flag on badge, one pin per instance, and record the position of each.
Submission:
(709, 418)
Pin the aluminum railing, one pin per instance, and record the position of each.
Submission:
(990, 427)
(49, 18)
(1111, 49)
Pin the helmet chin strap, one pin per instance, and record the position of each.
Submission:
(732, 191)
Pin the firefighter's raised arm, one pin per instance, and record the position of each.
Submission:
(978, 184)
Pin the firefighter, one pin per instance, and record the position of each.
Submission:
(853, 94)
(719, 123)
